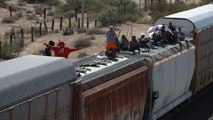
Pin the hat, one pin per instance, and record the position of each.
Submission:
(111, 28)
(61, 42)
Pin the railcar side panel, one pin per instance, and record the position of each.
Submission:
(53, 105)
(121, 98)
(204, 54)
(171, 79)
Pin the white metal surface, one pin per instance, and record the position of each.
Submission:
(190, 20)
(171, 78)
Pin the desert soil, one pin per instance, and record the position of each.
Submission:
(36, 47)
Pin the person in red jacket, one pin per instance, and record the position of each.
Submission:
(61, 50)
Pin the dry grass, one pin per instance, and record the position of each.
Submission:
(82, 54)
(82, 42)
(96, 31)
(8, 20)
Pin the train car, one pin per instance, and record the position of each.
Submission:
(167, 70)
(198, 24)
(113, 88)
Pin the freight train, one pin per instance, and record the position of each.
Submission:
(139, 86)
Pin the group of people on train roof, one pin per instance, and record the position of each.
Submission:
(159, 35)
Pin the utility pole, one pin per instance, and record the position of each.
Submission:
(82, 13)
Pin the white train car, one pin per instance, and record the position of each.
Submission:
(193, 71)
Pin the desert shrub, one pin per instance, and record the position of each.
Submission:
(68, 31)
(114, 12)
(95, 31)
(53, 2)
(56, 31)
(27, 30)
(69, 13)
(82, 43)
(8, 20)
(81, 30)
(92, 37)
(18, 14)
(129, 17)
(51, 13)
(2, 1)
(65, 10)
(7, 33)
(162, 8)
(9, 51)
(47, 2)
(15, 8)
(203, 2)
(21, 3)
(145, 20)
(39, 9)
(82, 54)
(32, 17)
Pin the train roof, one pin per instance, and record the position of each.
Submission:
(97, 69)
(191, 20)
(26, 77)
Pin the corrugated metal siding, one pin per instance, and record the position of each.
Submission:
(29, 76)
(121, 98)
(38, 108)
(63, 103)
(53, 105)
(20, 112)
(204, 59)
(4, 115)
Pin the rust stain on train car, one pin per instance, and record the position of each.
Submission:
(121, 98)
(202, 74)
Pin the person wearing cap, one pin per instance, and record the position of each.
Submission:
(61, 50)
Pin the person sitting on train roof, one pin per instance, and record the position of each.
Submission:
(156, 37)
(61, 50)
(168, 36)
(171, 27)
(180, 35)
(111, 53)
(134, 44)
(143, 41)
(124, 43)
